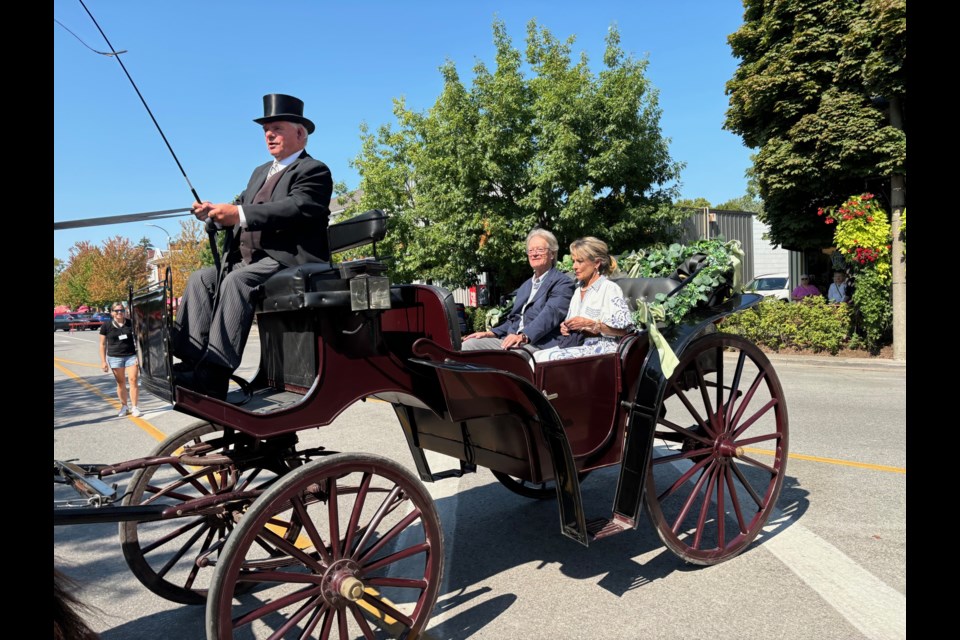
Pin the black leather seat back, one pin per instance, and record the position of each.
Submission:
(360, 230)
(645, 289)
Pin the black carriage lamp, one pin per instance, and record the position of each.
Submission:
(369, 292)
(369, 288)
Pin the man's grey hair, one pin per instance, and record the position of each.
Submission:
(551, 239)
(306, 135)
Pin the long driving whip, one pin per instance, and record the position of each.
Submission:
(211, 231)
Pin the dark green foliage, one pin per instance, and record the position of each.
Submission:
(872, 299)
(716, 273)
(803, 95)
(476, 318)
(811, 324)
(480, 319)
(469, 314)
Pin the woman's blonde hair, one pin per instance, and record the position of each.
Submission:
(590, 248)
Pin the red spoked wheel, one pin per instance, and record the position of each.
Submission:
(368, 561)
(720, 450)
(174, 558)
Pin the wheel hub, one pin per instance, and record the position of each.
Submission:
(727, 449)
(341, 584)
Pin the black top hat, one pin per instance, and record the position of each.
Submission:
(277, 106)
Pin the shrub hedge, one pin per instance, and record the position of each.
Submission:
(812, 323)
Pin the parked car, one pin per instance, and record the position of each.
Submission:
(77, 321)
(61, 321)
(85, 322)
(771, 285)
(101, 317)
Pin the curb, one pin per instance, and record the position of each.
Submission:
(878, 363)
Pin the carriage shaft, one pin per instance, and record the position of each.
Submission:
(93, 489)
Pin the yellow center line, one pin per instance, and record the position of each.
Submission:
(79, 364)
(159, 436)
(140, 422)
(845, 463)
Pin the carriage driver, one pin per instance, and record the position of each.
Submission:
(280, 220)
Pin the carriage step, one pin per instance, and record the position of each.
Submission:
(465, 467)
(604, 528)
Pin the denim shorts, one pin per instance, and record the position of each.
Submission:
(122, 362)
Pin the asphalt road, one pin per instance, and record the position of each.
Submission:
(830, 565)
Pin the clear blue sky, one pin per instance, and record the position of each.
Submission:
(204, 66)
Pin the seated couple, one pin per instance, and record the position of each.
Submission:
(554, 318)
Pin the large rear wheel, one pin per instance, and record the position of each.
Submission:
(720, 450)
(367, 564)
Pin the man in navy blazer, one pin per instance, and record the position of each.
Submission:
(280, 220)
(540, 306)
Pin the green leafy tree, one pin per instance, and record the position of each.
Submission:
(693, 203)
(743, 203)
(188, 251)
(72, 288)
(575, 152)
(119, 266)
(58, 267)
(805, 95)
(750, 201)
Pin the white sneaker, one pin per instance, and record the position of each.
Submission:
(123, 411)
(135, 412)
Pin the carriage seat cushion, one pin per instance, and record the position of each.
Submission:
(310, 285)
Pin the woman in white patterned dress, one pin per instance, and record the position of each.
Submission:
(597, 309)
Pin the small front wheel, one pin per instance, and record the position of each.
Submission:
(174, 557)
(369, 556)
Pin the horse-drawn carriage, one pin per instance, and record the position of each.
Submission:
(235, 513)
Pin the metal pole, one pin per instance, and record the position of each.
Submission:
(169, 259)
(164, 230)
(898, 200)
